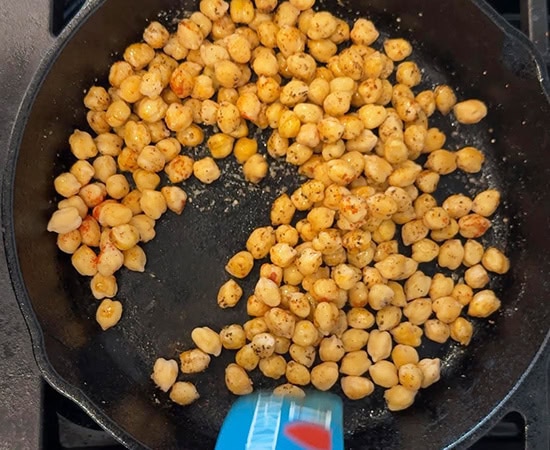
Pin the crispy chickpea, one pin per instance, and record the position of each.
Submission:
(356, 387)
(184, 393)
(297, 373)
(399, 397)
(247, 358)
(469, 159)
(135, 259)
(206, 170)
(324, 375)
(407, 333)
(289, 390)
(470, 111)
(485, 203)
(165, 373)
(384, 373)
(446, 309)
(451, 254)
(483, 304)
(473, 226)
(404, 354)
(274, 366)
(495, 261)
(237, 380)
(194, 361)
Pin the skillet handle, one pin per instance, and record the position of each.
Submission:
(62, 11)
(534, 22)
(532, 400)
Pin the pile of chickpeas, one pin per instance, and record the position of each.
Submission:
(337, 298)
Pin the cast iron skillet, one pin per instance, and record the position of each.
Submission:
(460, 42)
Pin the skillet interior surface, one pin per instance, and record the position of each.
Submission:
(108, 372)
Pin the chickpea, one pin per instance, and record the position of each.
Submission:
(483, 304)
(237, 380)
(273, 366)
(399, 397)
(135, 259)
(356, 387)
(247, 358)
(407, 333)
(473, 226)
(324, 375)
(404, 354)
(289, 390)
(384, 373)
(431, 371)
(207, 340)
(331, 349)
(446, 309)
(184, 393)
(165, 373)
(469, 159)
(194, 361)
(495, 261)
(451, 254)
(470, 111)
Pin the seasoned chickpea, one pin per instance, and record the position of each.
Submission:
(194, 361)
(483, 304)
(470, 111)
(305, 333)
(495, 261)
(418, 311)
(297, 373)
(399, 397)
(229, 294)
(442, 161)
(69, 242)
(247, 358)
(145, 226)
(473, 226)
(384, 373)
(457, 205)
(404, 354)
(445, 99)
(206, 170)
(431, 371)
(289, 390)
(407, 333)
(135, 259)
(379, 345)
(324, 375)
(260, 242)
(397, 49)
(280, 322)
(237, 380)
(267, 291)
(446, 309)
(436, 330)
(282, 210)
(331, 349)
(240, 264)
(165, 373)
(356, 387)
(485, 203)
(273, 366)
(451, 254)
(469, 159)
(410, 377)
(425, 250)
(207, 340)
(184, 393)
(82, 145)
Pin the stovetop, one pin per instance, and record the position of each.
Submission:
(32, 414)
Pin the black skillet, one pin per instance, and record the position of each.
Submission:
(462, 42)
